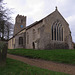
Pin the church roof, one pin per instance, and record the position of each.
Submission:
(33, 24)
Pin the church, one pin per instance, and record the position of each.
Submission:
(51, 32)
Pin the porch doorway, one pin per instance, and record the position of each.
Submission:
(33, 44)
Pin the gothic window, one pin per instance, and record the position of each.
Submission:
(34, 34)
(62, 34)
(52, 32)
(59, 34)
(57, 31)
(20, 40)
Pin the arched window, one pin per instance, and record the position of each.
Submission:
(52, 32)
(20, 40)
(57, 31)
(62, 34)
(59, 34)
(34, 34)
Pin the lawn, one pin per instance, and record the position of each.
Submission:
(62, 56)
(14, 67)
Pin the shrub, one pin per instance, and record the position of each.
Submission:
(3, 53)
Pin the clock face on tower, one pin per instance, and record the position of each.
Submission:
(21, 26)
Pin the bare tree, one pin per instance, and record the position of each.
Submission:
(6, 28)
(8, 32)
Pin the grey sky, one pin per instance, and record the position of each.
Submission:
(37, 9)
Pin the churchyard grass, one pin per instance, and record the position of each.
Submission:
(14, 67)
(59, 55)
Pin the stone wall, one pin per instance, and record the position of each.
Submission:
(57, 45)
(29, 32)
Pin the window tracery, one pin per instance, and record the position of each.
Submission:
(57, 31)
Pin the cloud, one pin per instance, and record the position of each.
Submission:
(34, 9)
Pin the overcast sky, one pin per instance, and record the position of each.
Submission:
(37, 9)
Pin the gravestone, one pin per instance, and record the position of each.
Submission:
(3, 53)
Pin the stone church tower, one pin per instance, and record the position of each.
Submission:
(20, 23)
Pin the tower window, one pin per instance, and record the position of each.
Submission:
(21, 20)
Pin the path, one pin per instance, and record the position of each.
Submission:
(70, 69)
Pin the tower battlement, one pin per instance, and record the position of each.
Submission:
(20, 16)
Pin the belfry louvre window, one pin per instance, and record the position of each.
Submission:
(57, 31)
(20, 40)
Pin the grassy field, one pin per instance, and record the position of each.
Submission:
(62, 56)
(14, 67)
